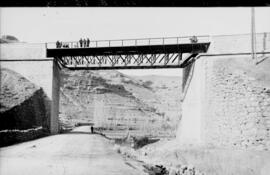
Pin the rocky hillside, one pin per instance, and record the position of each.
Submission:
(22, 103)
(113, 100)
(168, 91)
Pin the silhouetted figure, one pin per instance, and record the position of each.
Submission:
(87, 42)
(81, 42)
(92, 129)
(57, 44)
(193, 39)
(84, 42)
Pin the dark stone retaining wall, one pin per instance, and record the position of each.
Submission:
(33, 112)
(8, 137)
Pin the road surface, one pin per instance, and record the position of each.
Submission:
(75, 153)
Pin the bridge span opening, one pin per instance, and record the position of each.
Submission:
(42, 63)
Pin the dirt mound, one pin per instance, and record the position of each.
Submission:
(8, 39)
(23, 105)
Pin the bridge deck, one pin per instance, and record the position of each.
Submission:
(128, 50)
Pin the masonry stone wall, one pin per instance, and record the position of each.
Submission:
(226, 101)
(8, 137)
(236, 103)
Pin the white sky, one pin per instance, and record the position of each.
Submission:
(69, 24)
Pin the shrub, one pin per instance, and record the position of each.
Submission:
(140, 142)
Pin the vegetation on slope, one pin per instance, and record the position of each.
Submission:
(115, 101)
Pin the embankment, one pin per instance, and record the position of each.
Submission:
(226, 108)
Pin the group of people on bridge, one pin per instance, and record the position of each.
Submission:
(61, 45)
(82, 43)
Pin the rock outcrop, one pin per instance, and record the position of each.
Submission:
(23, 105)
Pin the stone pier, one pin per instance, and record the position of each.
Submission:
(30, 61)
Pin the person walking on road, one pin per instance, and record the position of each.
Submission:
(92, 129)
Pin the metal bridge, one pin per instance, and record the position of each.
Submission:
(170, 52)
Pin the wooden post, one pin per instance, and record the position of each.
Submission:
(253, 35)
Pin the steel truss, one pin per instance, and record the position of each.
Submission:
(165, 60)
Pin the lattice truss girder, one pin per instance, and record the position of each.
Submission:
(121, 60)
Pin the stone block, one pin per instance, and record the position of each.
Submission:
(266, 113)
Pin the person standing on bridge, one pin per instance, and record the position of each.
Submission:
(87, 42)
(193, 39)
(57, 44)
(81, 42)
(84, 42)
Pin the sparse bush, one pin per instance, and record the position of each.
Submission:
(142, 141)
(166, 126)
(152, 120)
(117, 148)
(147, 84)
(164, 87)
(70, 87)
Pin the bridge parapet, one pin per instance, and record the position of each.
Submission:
(22, 51)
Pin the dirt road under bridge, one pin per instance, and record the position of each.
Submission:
(78, 152)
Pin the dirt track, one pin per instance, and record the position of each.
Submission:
(74, 153)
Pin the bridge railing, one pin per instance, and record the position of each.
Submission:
(129, 42)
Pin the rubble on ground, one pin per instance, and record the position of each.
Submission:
(158, 165)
